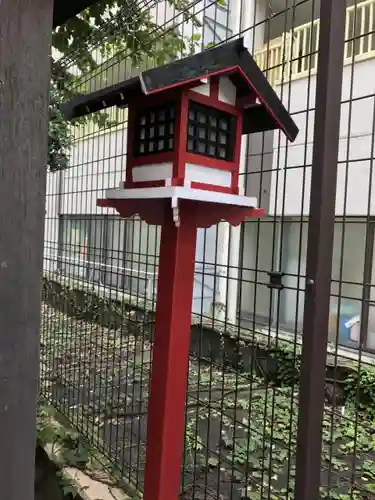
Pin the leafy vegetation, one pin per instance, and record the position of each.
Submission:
(90, 44)
(240, 426)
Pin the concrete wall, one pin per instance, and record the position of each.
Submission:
(287, 14)
(278, 174)
(51, 225)
(285, 170)
(98, 163)
(290, 189)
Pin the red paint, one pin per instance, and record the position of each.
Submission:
(214, 87)
(181, 95)
(207, 161)
(181, 138)
(237, 154)
(243, 102)
(153, 158)
(177, 138)
(177, 182)
(226, 71)
(166, 408)
(145, 184)
(214, 103)
(139, 104)
(170, 357)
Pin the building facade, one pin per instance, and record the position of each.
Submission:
(233, 266)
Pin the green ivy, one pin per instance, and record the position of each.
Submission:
(278, 361)
(288, 364)
(359, 388)
(91, 307)
(257, 420)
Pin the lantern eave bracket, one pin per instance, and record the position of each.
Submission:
(202, 209)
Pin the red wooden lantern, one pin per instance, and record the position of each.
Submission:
(186, 120)
(188, 136)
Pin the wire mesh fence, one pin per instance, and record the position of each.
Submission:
(100, 271)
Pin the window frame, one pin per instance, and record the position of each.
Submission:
(147, 119)
(195, 126)
(88, 220)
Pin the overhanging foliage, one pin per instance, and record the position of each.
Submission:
(104, 35)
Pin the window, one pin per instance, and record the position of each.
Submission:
(110, 251)
(81, 246)
(347, 278)
(210, 132)
(154, 130)
(259, 257)
(284, 247)
(115, 255)
(142, 257)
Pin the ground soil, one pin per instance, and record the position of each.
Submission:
(240, 437)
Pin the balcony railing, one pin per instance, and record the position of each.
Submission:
(291, 56)
(295, 54)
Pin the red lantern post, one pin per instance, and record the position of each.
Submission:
(186, 122)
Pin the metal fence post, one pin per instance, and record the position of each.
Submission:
(320, 247)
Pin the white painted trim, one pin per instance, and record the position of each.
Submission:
(207, 175)
(142, 82)
(152, 172)
(203, 89)
(227, 91)
(242, 15)
(182, 193)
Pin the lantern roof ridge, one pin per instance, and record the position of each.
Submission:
(230, 59)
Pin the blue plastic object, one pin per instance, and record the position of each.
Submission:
(347, 311)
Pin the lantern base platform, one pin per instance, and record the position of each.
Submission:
(180, 192)
(206, 208)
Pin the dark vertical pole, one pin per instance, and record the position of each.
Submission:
(320, 247)
(25, 36)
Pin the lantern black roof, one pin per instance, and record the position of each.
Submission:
(231, 59)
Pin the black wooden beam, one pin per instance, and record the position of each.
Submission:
(25, 27)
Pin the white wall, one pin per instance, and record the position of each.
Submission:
(51, 224)
(259, 257)
(212, 18)
(290, 13)
(289, 256)
(98, 163)
(292, 162)
(275, 169)
(294, 249)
